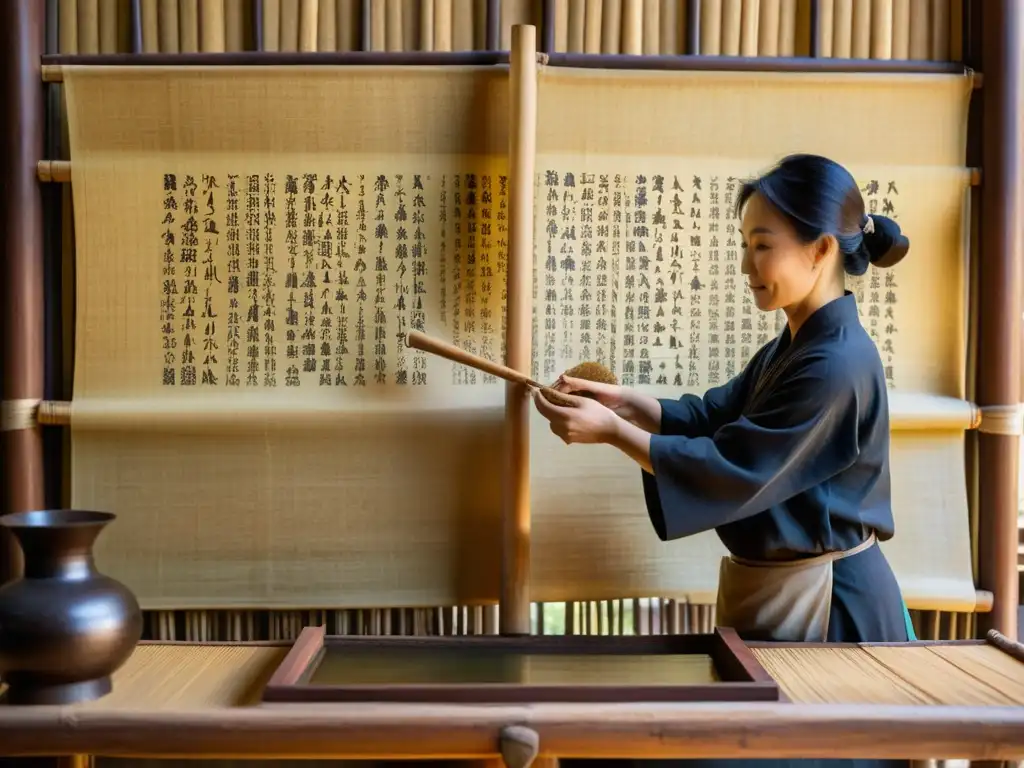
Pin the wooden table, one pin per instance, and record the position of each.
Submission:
(920, 701)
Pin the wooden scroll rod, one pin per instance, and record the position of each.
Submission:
(59, 172)
(57, 413)
(54, 171)
(25, 414)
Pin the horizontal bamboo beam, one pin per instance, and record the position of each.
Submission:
(53, 72)
(52, 66)
(758, 64)
(59, 172)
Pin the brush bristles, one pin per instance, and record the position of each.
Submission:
(588, 372)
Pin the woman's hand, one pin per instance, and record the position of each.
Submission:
(626, 403)
(609, 395)
(588, 421)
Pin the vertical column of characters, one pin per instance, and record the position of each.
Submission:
(442, 249)
(487, 327)
(746, 333)
(381, 236)
(169, 298)
(402, 279)
(873, 309)
(539, 249)
(189, 261)
(501, 274)
(696, 349)
(619, 200)
(292, 315)
(421, 253)
(470, 279)
(603, 337)
(568, 268)
(679, 322)
(715, 277)
(732, 282)
(586, 346)
(233, 235)
(460, 373)
(343, 290)
(551, 296)
(307, 249)
(889, 294)
(629, 288)
(252, 280)
(658, 365)
(269, 281)
(359, 269)
(326, 271)
(211, 245)
(642, 288)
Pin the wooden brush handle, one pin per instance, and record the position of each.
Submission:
(421, 341)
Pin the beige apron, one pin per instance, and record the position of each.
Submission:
(781, 602)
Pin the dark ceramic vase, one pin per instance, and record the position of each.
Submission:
(64, 627)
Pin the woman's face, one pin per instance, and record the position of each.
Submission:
(781, 270)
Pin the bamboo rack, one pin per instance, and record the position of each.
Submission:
(979, 38)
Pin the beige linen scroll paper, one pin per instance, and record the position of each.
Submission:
(311, 494)
(636, 175)
(301, 488)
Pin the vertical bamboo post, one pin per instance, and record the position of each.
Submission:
(22, 30)
(515, 562)
(999, 350)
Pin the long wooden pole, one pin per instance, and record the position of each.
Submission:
(22, 34)
(514, 611)
(999, 293)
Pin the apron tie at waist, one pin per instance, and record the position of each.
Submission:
(780, 601)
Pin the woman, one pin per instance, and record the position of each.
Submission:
(789, 461)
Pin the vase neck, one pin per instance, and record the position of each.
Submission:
(58, 552)
(68, 566)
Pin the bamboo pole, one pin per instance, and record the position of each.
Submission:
(22, 29)
(515, 569)
(999, 349)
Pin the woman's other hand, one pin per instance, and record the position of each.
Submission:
(587, 421)
(608, 395)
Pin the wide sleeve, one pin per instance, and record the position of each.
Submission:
(692, 416)
(798, 435)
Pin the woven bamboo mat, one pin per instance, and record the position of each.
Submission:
(192, 677)
(212, 676)
(965, 675)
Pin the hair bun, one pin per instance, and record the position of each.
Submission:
(884, 242)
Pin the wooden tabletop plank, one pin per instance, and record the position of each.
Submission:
(211, 693)
(377, 731)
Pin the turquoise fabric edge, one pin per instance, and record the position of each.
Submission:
(911, 635)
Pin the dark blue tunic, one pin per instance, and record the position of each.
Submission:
(791, 459)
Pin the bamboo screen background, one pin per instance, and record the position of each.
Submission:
(875, 29)
(920, 30)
